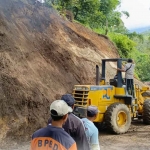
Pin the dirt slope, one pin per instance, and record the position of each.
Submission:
(42, 56)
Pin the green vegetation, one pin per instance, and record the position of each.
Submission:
(124, 44)
(101, 16)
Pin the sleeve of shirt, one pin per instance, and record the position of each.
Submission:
(95, 147)
(94, 138)
(73, 147)
(31, 148)
(83, 142)
(31, 145)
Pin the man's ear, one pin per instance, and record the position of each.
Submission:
(96, 115)
(73, 107)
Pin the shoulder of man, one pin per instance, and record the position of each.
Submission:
(127, 64)
(73, 122)
(85, 120)
(89, 125)
(38, 132)
(75, 119)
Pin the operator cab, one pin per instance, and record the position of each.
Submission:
(117, 81)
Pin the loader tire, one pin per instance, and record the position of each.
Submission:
(100, 126)
(146, 111)
(118, 118)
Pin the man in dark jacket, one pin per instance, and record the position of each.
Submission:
(74, 125)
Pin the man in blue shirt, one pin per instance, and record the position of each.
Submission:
(90, 129)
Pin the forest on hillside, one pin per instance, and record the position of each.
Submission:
(102, 17)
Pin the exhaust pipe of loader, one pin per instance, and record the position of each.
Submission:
(97, 75)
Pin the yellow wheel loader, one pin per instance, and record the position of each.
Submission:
(117, 107)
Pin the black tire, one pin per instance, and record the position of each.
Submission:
(100, 126)
(118, 118)
(146, 111)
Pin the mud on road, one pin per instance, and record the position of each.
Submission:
(137, 138)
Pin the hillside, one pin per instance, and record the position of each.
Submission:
(42, 55)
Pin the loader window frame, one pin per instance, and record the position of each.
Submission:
(119, 65)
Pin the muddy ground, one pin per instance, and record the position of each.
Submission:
(137, 138)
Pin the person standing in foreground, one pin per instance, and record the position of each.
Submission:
(129, 72)
(53, 137)
(90, 129)
(74, 126)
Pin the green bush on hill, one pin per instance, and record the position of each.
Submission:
(124, 44)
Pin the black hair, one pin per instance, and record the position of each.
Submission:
(55, 116)
(129, 60)
(89, 114)
(71, 105)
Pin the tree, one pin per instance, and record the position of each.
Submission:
(143, 67)
(86, 10)
(107, 7)
(126, 14)
(124, 44)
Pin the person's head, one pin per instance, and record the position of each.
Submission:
(59, 110)
(130, 60)
(92, 112)
(68, 98)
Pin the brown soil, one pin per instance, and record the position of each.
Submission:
(137, 138)
(42, 56)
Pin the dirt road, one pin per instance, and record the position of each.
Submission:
(137, 138)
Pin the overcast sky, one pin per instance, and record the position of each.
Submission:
(139, 11)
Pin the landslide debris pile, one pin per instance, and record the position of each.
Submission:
(42, 55)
